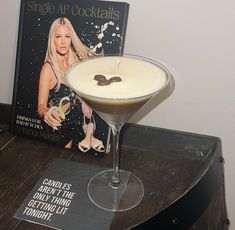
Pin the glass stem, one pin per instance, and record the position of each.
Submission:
(116, 129)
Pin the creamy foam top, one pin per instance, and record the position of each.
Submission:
(139, 78)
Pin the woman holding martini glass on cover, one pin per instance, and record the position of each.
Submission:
(68, 115)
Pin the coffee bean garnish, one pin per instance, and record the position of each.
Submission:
(103, 81)
(115, 79)
(99, 77)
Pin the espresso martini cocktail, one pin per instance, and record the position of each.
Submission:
(116, 87)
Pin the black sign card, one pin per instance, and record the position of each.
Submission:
(59, 199)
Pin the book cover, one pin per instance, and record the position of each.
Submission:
(53, 35)
(59, 199)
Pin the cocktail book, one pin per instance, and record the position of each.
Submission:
(91, 28)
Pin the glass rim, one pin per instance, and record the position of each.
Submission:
(127, 55)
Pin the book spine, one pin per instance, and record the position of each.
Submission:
(17, 66)
(125, 22)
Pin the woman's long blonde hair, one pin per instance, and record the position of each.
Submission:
(77, 50)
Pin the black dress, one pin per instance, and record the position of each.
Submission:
(71, 126)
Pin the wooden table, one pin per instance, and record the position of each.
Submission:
(182, 175)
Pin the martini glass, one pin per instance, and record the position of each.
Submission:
(61, 106)
(116, 87)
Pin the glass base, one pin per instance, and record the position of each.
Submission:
(115, 196)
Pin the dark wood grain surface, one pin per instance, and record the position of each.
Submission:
(169, 164)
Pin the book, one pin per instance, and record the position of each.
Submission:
(59, 199)
(40, 91)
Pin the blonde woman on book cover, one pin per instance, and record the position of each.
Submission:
(70, 118)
